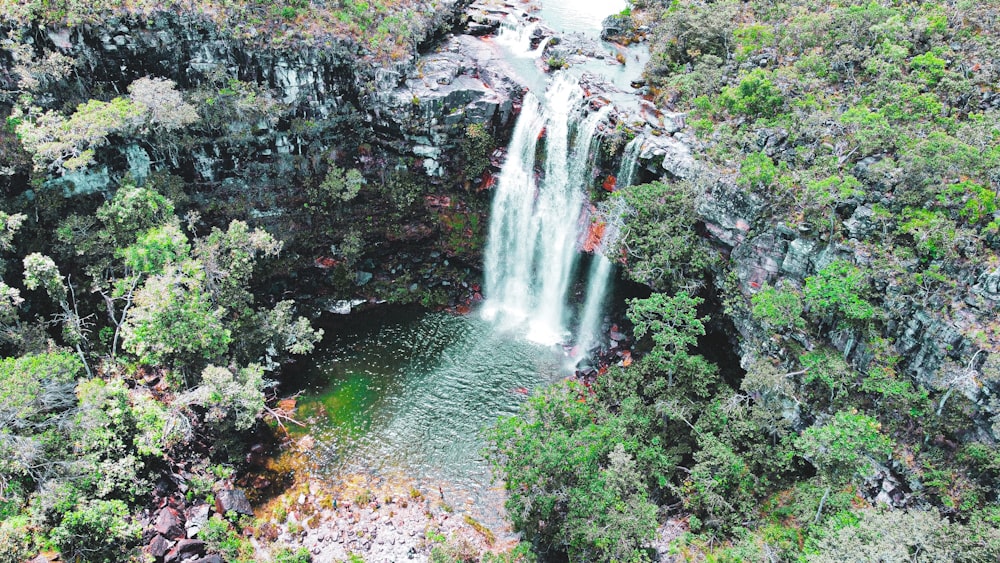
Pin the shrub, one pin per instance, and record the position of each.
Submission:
(755, 96)
(570, 486)
(780, 308)
(838, 289)
(15, 545)
(757, 172)
(98, 532)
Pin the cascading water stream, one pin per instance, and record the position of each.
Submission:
(534, 228)
(611, 216)
(517, 38)
(630, 163)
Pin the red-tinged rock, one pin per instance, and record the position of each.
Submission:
(609, 183)
(325, 262)
(169, 524)
(487, 182)
(437, 201)
(158, 546)
(594, 235)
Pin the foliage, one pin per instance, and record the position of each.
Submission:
(756, 96)
(234, 400)
(475, 148)
(14, 543)
(845, 446)
(570, 486)
(174, 322)
(674, 326)
(838, 289)
(220, 537)
(911, 535)
(757, 172)
(59, 144)
(663, 250)
(339, 185)
(157, 249)
(779, 308)
(98, 532)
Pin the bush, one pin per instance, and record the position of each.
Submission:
(780, 308)
(99, 532)
(757, 172)
(838, 289)
(755, 96)
(913, 535)
(15, 545)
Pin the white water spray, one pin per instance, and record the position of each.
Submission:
(517, 38)
(532, 251)
(612, 215)
(630, 163)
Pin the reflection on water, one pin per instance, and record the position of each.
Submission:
(409, 392)
(584, 16)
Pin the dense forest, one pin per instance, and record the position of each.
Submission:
(839, 237)
(866, 133)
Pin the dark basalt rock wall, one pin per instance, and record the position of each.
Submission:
(274, 119)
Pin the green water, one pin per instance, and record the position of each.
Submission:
(408, 392)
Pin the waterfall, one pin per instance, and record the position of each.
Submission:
(610, 216)
(531, 248)
(630, 163)
(517, 36)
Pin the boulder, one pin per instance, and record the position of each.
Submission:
(196, 517)
(158, 546)
(232, 500)
(185, 549)
(988, 285)
(169, 523)
(617, 27)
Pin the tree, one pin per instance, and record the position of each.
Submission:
(41, 272)
(906, 535)
(98, 532)
(166, 110)
(778, 308)
(570, 486)
(36, 397)
(174, 321)
(674, 326)
(664, 251)
(846, 446)
(756, 96)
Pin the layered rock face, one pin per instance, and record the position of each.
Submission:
(276, 119)
(319, 98)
